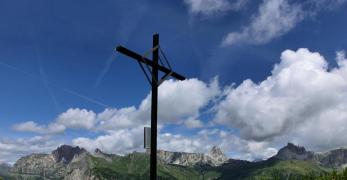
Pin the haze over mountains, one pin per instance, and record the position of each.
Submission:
(67, 162)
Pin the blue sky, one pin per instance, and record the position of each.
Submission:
(57, 56)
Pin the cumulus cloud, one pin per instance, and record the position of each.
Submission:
(113, 119)
(120, 142)
(205, 139)
(180, 143)
(276, 18)
(178, 101)
(240, 148)
(77, 118)
(127, 140)
(300, 98)
(33, 127)
(213, 7)
(72, 118)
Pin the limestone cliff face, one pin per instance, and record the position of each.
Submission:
(37, 165)
(217, 155)
(66, 162)
(214, 158)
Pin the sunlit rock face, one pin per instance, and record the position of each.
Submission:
(36, 165)
(214, 158)
(217, 155)
(66, 162)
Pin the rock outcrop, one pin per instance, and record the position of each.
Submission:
(336, 158)
(292, 151)
(217, 155)
(214, 158)
(66, 153)
(67, 162)
(100, 154)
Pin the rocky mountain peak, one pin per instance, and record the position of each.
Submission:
(292, 151)
(217, 154)
(336, 158)
(214, 158)
(294, 148)
(66, 153)
(101, 154)
(98, 151)
(216, 151)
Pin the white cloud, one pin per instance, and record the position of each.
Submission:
(276, 18)
(72, 118)
(232, 145)
(177, 100)
(77, 118)
(127, 140)
(180, 100)
(33, 127)
(239, 148)
(180, 143)
(120, 142)
(113, 119)
(213, 7)
(300, 98)
(193, 123)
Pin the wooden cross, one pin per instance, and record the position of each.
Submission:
(155, 68)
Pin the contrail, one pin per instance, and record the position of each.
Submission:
(44, 79)
(85, 97)
(42, 71)
(54, 85)
(105, 70)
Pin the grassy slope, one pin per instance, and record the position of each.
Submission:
(272, 169)
(136, 166)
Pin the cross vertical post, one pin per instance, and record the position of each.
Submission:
(154, 108)
(155, 83)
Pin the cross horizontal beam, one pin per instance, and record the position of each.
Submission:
(145, 60)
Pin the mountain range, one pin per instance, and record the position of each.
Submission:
(75, 163)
